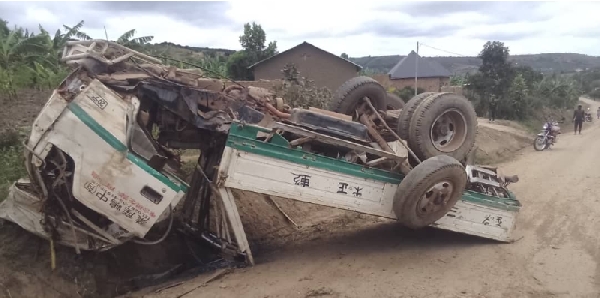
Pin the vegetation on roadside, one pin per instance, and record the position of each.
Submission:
(405, 93)
(590, 82)
(519, 93)
(547, 63)
(32, 60)
(11, 160)
(300, 91)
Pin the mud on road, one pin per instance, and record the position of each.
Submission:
(556, 256)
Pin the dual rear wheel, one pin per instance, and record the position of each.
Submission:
(440, 128)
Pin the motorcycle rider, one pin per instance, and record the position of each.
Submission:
(578, 116)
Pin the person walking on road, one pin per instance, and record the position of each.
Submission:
(492, 108)
(578, 116)
(598, 112)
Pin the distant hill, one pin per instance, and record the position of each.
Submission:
(178, 51)
(547, 63)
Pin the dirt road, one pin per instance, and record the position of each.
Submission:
(557, 255)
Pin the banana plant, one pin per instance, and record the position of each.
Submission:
(17, 48)
(127, 39)
(47, 77)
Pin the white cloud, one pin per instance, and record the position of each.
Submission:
(359, 28)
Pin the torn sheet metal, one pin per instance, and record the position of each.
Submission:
(23, 208)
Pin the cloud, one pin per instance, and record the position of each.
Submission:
(394, 30)
(497, 12)
(506, 32)
(376, 27)
(205, 14)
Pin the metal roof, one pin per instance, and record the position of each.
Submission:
(358, 67)
(427, 68)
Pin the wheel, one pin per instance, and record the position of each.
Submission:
(444, 123)
(407, 112)
(539, 144)
(351, 93)
(429, 191)
(394, 102)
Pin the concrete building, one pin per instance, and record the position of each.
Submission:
(431, 76)
(326, 69)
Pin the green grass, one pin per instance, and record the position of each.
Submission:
(12, 166)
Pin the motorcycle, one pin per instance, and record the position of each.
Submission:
(548, 136)
(588, 117)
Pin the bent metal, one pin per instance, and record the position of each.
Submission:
(103, 158)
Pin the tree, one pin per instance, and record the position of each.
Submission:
(529, 75)
(457, 80)
(75, 31)
(495, 69)
(300, 91)
(4, 27)
(253, 42)
(345, 56)
(407, 92)
(494, 78)
(367, 72)
(237, 66)
(254, 50)
(54, 45)
(518, 105)
(127, 39)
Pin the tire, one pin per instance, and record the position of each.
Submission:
(351, 93)
(427, 138)
(443, 172)
(535, 144)
(394, 102)
(407, 112)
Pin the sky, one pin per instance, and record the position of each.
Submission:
(360, 28)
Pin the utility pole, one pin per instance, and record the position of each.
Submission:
(416, 68)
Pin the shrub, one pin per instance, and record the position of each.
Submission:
(302, 92)
(12, 166)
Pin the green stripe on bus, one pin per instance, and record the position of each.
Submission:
(119, 146)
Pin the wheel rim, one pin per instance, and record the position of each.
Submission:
(540, 143)
(448, 131)
(435, 198)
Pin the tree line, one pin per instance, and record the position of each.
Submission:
(518, 91)
(31, 60)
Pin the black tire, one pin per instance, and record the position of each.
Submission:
(407, 112)
(535, 144)
(445, 172)
(455, 139)
(394, 102)
(351, 93)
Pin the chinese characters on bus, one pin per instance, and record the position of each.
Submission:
(491, 220)
(342, 187)
(119, 201)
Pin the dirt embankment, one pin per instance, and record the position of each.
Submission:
(267, 227)
(500, 141)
